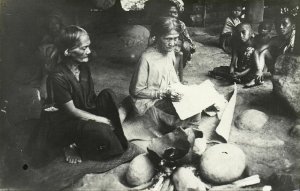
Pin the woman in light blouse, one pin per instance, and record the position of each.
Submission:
(150, 86)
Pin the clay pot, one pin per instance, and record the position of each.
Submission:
(140, 170)
(222, 163)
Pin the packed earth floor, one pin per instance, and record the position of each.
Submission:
(269, 150)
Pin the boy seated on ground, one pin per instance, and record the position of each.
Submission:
(267, 54)
(230, 23)
(264, 34)
(242, 66)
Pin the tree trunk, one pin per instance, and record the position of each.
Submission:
(255, 12)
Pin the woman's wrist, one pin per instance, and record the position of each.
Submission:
(160, 94)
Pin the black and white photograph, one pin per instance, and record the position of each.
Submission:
(150, 95)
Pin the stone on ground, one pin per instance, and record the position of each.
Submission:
(140, 170)
(222, 163)
(286, 80)
(251, 120)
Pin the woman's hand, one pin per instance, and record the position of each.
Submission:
(171, 94)
(100, 119)
(174, 96)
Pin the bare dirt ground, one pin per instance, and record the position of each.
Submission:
(269, 150)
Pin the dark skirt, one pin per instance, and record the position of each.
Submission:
(96, 141)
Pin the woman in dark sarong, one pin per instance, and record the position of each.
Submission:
(85, 126)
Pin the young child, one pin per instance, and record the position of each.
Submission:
(54, 25)
(242, 63)
(185, 46)
(264, 34)
(230, 23)
(267, 54)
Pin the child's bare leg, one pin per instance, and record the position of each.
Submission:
(179, 65)
(266, 60)
(72, 155)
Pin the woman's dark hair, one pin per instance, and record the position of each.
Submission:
(265, 25)
(284, 16)
(172, 3)
(237, 8)
(164, 25)
(241, 25)
(70, 38)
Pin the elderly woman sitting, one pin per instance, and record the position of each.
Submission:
(150, 87)
(85, 125)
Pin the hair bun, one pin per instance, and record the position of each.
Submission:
(179, 4)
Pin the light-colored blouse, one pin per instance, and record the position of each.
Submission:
(155, 71)
(229, 25)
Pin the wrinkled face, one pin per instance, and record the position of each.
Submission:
(167, 43)
(284, 27)
(173, 12)
(244, 33)
(81, 53)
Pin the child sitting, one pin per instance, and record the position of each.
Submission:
(264, 34)
(185, 46)
(230, 23)
(242, 61)
(267, 54)
(185, 41)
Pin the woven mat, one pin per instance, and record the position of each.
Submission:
(59, 174)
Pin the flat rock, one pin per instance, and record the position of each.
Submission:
(286, 80)
(222, 163)
(140, 170)
(251, 120)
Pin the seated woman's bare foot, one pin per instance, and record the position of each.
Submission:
(72, 155)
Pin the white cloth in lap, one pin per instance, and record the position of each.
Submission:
(155, 71)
